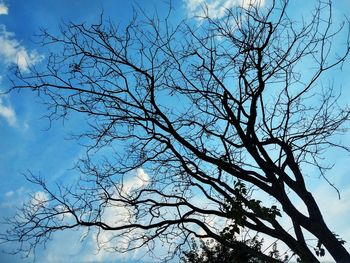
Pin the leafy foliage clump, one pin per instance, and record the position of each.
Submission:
(211, 251)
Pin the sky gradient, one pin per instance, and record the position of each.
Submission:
(29, 142)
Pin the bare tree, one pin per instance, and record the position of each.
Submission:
(213, 112)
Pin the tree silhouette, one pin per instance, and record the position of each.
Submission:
(206, 114)
(213, 252)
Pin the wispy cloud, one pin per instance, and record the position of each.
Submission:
(4, 10)
(80, 245)
(12, 52)
(115, 215)
(13, 198)
(8, 114)
(138, 180)
(216, 8)
(39, 199)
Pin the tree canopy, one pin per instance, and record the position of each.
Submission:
(210, 116)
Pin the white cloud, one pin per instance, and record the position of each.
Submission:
(12, 52)
(4, 10)
(216, 8)
(92, 245)
(140, 179)
(116, 214)
(8, 113)
(39, 199)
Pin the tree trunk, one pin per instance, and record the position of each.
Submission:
(331, 243)
(319, 229)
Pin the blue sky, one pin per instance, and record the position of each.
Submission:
(27, 143)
